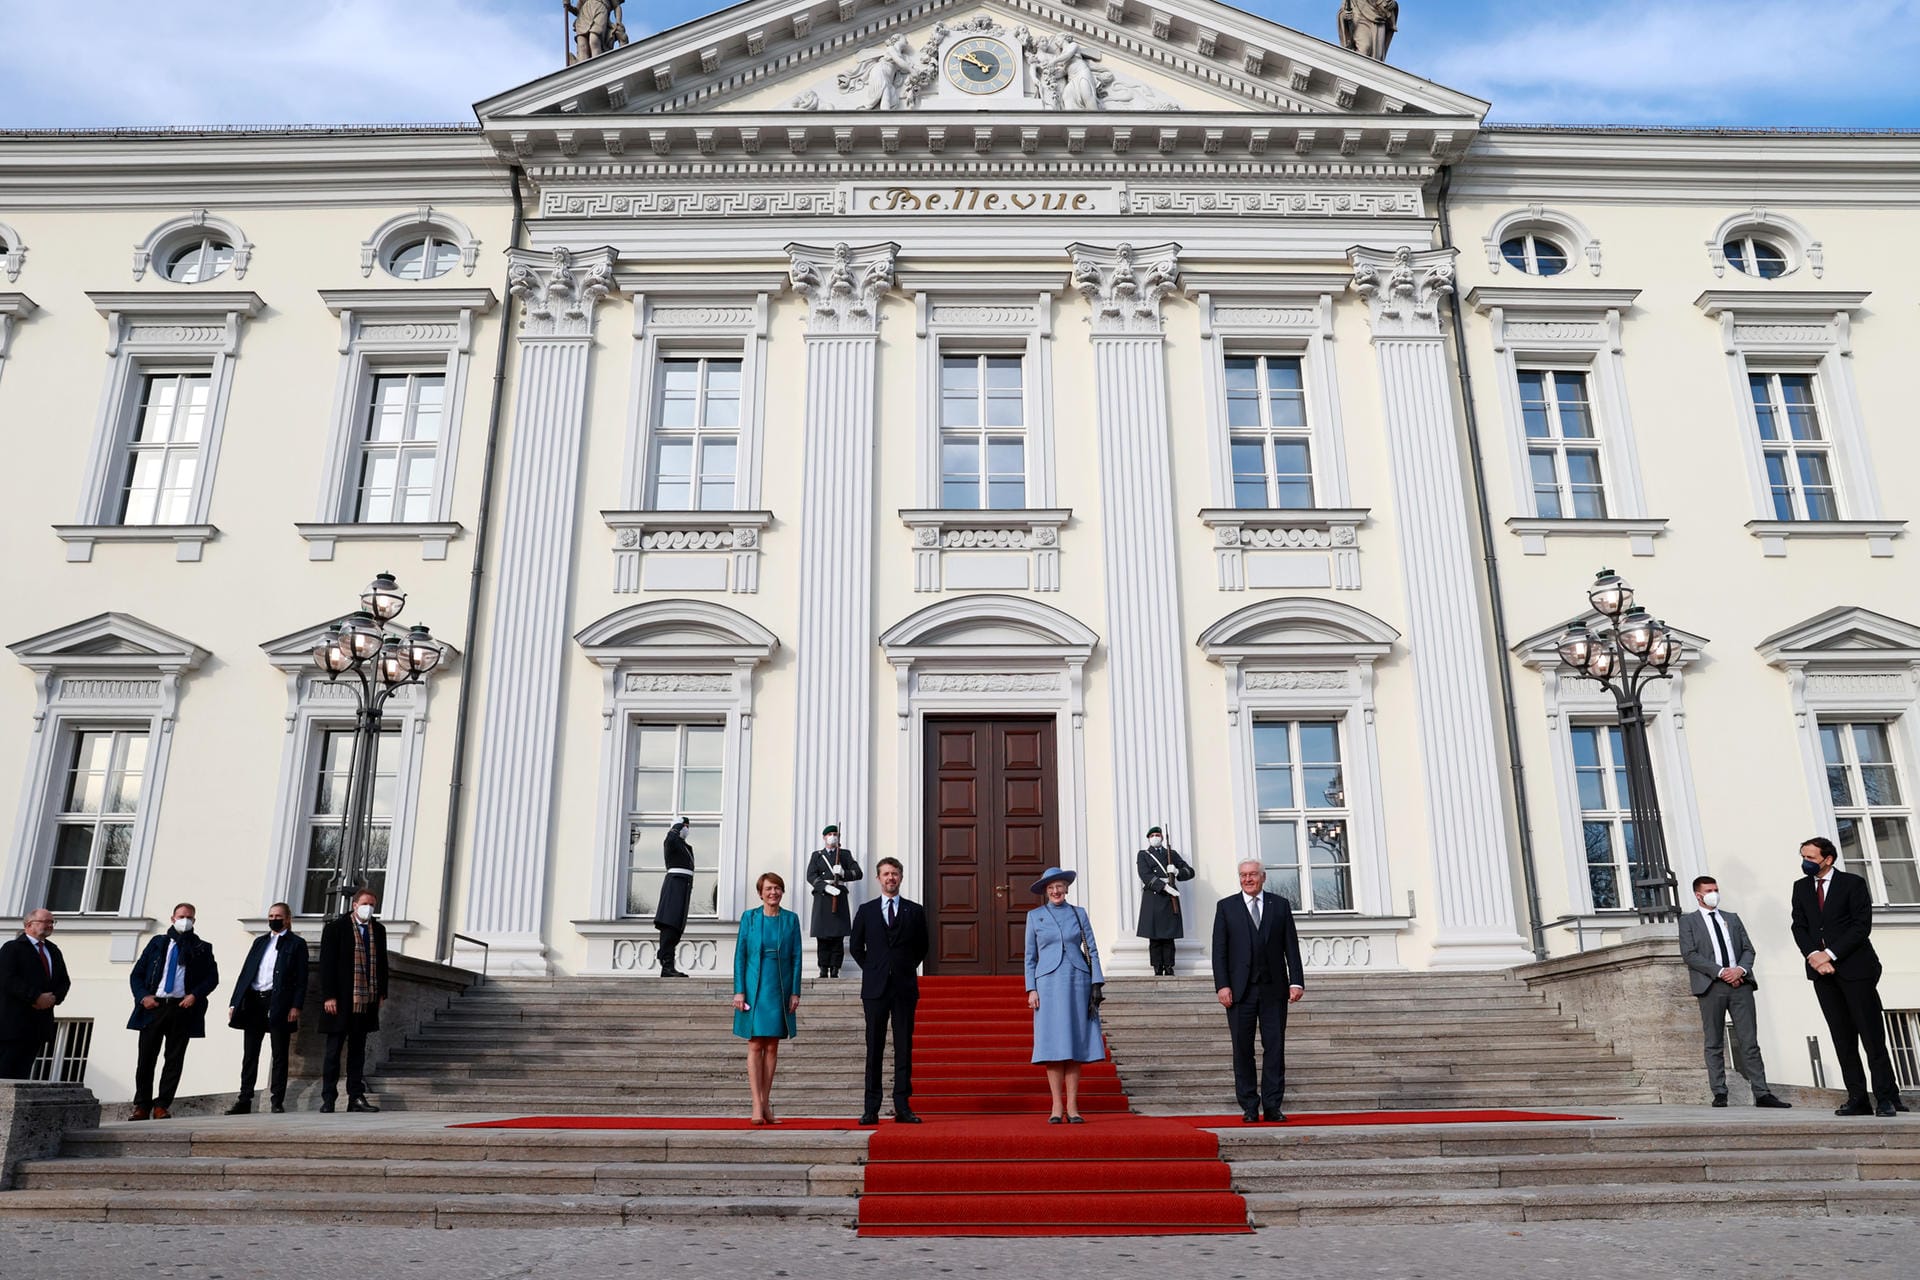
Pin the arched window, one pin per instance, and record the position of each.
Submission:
(198, 259)
(421, 244)
(426, 257)
(1754, 256)
(1537, 241)
(1535, 254)
(193, 249)
(1763, 245)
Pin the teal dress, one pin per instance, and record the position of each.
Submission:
(766, 970)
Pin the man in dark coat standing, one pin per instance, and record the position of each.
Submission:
(1161, 870)
(33, 979)
(676, 897)
(171, 982)
(830, 870)
(1832, 918)
(889, 944)
(1256, 958)
(353, 986)
(266, 1004)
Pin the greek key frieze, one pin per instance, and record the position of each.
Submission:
(770, 202)
(1375, 204)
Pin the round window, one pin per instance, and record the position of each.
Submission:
(1755, 257)
(1535, 255)
(197, 260)
(425, 258)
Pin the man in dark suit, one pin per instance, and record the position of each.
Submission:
(171, 983)
(1832, 918)
(33, 979)
(1256, 955)
(1719, 957)
(266, 1003)
(353, 986)
(889, 944)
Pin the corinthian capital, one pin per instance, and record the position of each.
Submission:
(1403, 288)
(842, 285)
(558, 290)
(1125, 284)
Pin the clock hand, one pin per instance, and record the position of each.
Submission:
(974, 58)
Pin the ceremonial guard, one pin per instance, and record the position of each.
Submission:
(676, 896)
(1161, 870)
(830, 870)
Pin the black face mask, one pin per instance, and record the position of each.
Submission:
(1809, 867)
(278, 926)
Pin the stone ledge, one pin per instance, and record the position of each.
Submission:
(35, 1118)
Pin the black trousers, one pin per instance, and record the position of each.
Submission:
(355, 1043)
(669, 943)
(833, 953)
(254, 1028)
(16, 1057)
(1263, 1008)
(1854, 1019)
(896, 1008)
(1160, 953)
(168, 1031)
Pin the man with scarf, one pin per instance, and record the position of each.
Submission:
(353, 986)
(829, 871)
(1161, 870)
(676, 896)
(171, 982)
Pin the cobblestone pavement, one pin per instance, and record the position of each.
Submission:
(1760, 1248)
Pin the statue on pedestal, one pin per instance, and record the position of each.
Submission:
(1367, 26)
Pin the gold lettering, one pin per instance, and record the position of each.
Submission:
(1022, 200)
(1080, 200)
(933, 200)
(993, 199)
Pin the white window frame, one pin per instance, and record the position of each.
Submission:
(64, 765)
(1557, 225)
(1267, 433)
(1579, 330)
(1785, 442)
(64, 1059)
(1862, 813)
(426, 221)
(389, 331)
(1795, 243)
(702, 358)
(1802, 331)
(172, 234)
(314, 706)
(110, 670)
(706, 822)
(1558, 443)
(157, 332)
(1302, 814)
(982, 433)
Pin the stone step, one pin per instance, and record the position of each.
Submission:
(415, 1210)
(1727, 1131)
(1592, 1168)
(319, 1140)
(1610, 1201)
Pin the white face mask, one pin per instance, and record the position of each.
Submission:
(1154, 842)
(183, 925)
(363, 912)
(1711, 897)
(833, 842)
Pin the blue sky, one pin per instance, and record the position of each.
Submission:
(1844, 63)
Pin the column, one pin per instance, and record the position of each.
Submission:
(1146, 658)
(833, 756)
(526, 636)
(1475, 920)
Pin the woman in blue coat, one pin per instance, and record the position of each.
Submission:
(766, 988)
(1063, 990)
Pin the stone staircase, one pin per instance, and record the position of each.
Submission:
(1379, 1042)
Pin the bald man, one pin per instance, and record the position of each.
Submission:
(33, 979)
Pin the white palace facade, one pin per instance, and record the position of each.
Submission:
(993, 427)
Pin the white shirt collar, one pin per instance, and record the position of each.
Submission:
(1250, 898)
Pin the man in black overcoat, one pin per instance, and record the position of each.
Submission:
(266, 1005)
(830, 870)
(676, 897)
(353, 986)
(172, 981)
(1161, 870)
(1832, 921)
(1257, 974)
(889, 944)
(33, 979)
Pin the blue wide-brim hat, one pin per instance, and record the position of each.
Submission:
(1048, 876)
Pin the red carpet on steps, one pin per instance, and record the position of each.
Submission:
(986, 1163)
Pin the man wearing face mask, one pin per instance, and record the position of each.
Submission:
(353, 986)
(1832, 921)
(830, 870)
(171, 982)
(266, 1004)
(1161, 871)
(33, 979)
(676, 897)
(1719, 959)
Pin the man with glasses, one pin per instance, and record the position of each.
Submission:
(266, 1005)
(33, 979)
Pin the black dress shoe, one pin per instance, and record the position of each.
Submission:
(241, 1108)
(904, 1115)
(1768, 1100)
(1855, 1107)
(1250, 1117)
(326, 1108)
(279, 1109)
(1076, 1119)
(869, 1117)
(1274, 1115)
(1719, 1099)
(1055, 1120)
(360, 1104)
(1886, 1109)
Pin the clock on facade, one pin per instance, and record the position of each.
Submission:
(980, 64)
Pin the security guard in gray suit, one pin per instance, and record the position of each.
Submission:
(1719, 958)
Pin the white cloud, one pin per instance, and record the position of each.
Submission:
(210, 62)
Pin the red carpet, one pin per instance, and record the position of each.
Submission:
(987, 1163)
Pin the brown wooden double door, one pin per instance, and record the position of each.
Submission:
(992, 827)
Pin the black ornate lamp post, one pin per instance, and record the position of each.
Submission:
(1629, 650)
(377, 663)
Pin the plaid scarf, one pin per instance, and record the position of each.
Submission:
(362, 968)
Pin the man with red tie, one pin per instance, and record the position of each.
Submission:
(33, 979)
(1832, 918)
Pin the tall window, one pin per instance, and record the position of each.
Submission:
(696, 435)
(1873, 818)
(1606, 815)
(400, 447)
(163, 449)
(332, 766)
(1300, 788)
(676, 772)
(1794, 446)
(1563, 455)
(1267, 420)
(93, 831)
(983, 432)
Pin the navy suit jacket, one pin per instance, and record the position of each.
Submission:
(290, 962)
(1234, 942)
(889, 961)
(203, 979)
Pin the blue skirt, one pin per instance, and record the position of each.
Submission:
(1063, 1030)
(766, 1013)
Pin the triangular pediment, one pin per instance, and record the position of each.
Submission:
(1098, 55)
(1846, 633)
(294, 650)
(108, 640)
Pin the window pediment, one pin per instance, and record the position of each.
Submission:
(109, 640)
(1846, 635)
(1298, 627)
(988, 621)
(684, 630)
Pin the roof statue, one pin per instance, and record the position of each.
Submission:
(1367, 26)
(596, 28)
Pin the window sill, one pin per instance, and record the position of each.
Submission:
(123, 933)
(1877, 534)
(187, 539)
(687, 550)
(958, 548)
(1243, 539)
(432, 537)
(1533, 532)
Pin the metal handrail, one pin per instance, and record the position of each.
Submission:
(1579, 929)
(484, 952)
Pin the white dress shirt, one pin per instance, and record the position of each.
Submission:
(179, 990)
(1709, 914)
(263, 980)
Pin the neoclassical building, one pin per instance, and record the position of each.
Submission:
(994, 428)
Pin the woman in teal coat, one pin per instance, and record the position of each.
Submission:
(766, 988)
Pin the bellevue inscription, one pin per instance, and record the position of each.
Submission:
(913, 198)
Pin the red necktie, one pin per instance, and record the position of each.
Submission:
(1820, 889)
(45, 963)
